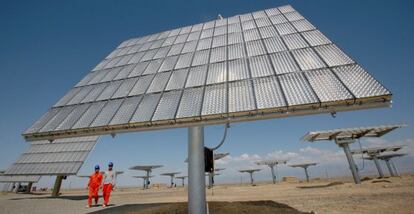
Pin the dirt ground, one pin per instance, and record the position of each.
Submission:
(389, 195)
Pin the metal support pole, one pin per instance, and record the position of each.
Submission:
(273, 173)
(395, 168)
(183, 182)
(58, 184)
(147, 179)
(17, 187)
(306, 173)
(210, 179)
(251, 178)
(387, 161)
(29, 187)
(172, 181)
(196, 180)
(377, 164)
(351, 162)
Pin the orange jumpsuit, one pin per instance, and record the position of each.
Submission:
(95, 181)
(109, 183)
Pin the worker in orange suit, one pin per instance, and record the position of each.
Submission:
(94, 184)
(109, 183)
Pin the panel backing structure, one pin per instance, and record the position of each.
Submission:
(373, 154)
(250, 171)
(388, 161)
(148, 169)
(305, 167)
(60, 157)
(272, 164)
(344, 137)
(266, 64)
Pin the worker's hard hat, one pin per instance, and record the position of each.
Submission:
(110, 164)
(96, 167)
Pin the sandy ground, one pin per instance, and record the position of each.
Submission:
(390, 195)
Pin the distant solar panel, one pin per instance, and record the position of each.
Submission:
(260, 65)
(61, 157)
(354, 133)
(377, 150)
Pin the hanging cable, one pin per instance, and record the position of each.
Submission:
(362, 154)
(224, 137)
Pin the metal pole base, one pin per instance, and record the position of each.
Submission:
(196, 180)
(210, 180)
(58, 184)
(351, 162)
(29, 187)
(395, 168)
(273, 174)
(390, 168)
(306, 173)
(377, 164)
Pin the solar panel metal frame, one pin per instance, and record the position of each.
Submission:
(376, 150)
(249, 170)
(253, 35)
(302, 165)
(19, 178)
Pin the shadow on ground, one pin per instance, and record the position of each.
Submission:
(65, 197)
(321, 186)
(255, 207)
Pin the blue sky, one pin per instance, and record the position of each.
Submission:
(46, 47)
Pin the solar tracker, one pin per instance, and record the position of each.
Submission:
(145, 180)
(182, 179)
(344, 137)
(60, 157)
(271, 164)
(390, 164)
(172, 175)
(260, 65)
(305, 167)
(354, 133)
(148, 169)
(373, 154)
(250, 171)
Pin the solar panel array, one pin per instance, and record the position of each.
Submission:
(61, 157)
(303, 165)
(270, 61)
(271, 162)
(249, 170)
(356, 132)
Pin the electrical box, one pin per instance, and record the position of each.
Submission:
(208, 160)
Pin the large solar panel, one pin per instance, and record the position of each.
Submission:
(60, 157)
(260, 65)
